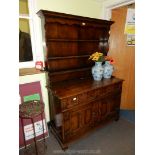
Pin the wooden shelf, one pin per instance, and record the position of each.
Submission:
(73, 40)
(68, 57)
(71, 70)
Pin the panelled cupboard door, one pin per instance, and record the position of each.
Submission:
(77, 121)
(99, 111)
(124, 57)
(102, 110)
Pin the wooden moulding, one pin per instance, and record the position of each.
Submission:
(58, 16)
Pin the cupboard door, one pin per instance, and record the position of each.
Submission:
(77, 121)
(100, 110)
(95, 113)
(87, 116)
(81, 118)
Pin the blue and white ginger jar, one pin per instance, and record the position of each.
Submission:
(97, 71)
(107, 70)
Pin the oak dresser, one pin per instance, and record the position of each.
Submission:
(78, 104)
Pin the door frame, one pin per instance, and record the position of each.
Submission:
(108, 7)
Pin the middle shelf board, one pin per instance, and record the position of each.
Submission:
(67, 57)
(72, 40)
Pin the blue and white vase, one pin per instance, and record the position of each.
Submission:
(107, 70)
(97, 71)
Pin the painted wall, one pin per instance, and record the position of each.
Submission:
(23, 23)
(88, 8)
(23, 7)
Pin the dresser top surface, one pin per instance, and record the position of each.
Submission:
(74, 87)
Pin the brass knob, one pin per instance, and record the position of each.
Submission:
(74, 99)
(83, 23)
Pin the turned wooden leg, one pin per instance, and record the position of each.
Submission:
(63, 146)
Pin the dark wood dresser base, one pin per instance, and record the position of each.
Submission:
(84, 106)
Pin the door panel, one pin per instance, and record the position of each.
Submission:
(77, 121)
(87, 116)
(95, 113)
(99, 111)
(102, 110)
(124, 56)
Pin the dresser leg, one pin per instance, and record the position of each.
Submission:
(54, 132)
(64, 147)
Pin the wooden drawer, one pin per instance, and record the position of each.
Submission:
(101, 92)
(111, 89)
(82, 98)
(74, 100)
(69, 102)
(92, 95)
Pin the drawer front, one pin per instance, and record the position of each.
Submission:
(74, 101)
(101, 92)
(112, 89)
(89, 96)
(82, 97)
(69, 102)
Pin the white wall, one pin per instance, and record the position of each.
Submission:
(88, 8)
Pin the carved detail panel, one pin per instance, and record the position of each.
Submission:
(77, 120)
(102, 110)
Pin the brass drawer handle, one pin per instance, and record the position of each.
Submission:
(83, 24)
(74, 99)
